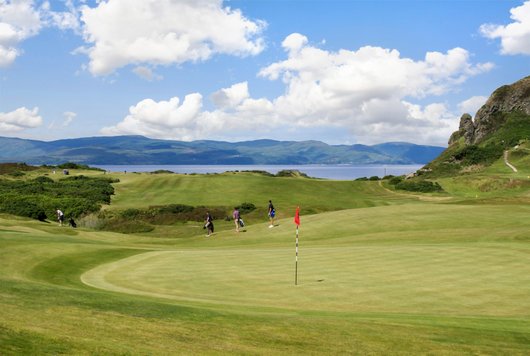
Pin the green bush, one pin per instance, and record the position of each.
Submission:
(373, 178)
(162, 171)
(422, 186)
(23, 207)
(395, 180)
(474, 154)
(246, 208)
(291, 173)
(71, 165)
(75, 196)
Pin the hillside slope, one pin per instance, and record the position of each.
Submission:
(143, 150)
(502, 124)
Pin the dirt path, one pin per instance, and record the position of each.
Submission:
(508, 163)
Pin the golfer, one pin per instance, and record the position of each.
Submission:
(60, 217)
(208, 224)
(272, 214)
(237, 216)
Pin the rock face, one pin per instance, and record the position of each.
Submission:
(508, 98)
(466, 130)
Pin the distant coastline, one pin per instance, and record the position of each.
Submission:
(337, 172)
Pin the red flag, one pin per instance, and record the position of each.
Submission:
(297, 216)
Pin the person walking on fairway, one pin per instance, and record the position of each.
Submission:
(272, 214)
(236, 215)
(60, 217)
(208, 224)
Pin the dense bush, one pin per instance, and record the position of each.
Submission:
(162, 171)
(291, 173)
(474, 154)
(22, 206)
(246, 208)
(373, 178)
(422, 186)
(395, 180)
(40, 197)
(71, 165)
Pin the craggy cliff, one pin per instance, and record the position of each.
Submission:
(506, 99)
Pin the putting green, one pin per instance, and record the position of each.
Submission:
(453, 279)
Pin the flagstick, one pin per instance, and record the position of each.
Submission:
(296, 263)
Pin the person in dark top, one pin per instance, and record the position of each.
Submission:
(208, 224)
(272, 214)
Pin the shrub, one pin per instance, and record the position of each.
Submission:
(16, 174)
(395, 180)
(422, 186)
(43, 179)
(246, 208)
(291, 173)
(162, 171)
(23, 207)
(75, 196)
(71, 165)
(373, 178)
(474, 154)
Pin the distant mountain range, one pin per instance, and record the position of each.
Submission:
(142, 150)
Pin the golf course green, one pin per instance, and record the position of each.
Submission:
(380, 271)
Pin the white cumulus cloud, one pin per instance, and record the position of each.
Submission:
(515, 37)
(19, 20)
(472, 104)
(164, 32)
(163, 119)
(231, 97)
(368, 92)
(19, 119)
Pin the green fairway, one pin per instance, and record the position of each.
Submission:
(380, 272)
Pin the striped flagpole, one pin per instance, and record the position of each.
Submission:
(297, 222)
(296, 260)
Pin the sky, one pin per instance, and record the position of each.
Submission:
(341, 72)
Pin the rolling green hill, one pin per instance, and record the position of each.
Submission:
(142, 150)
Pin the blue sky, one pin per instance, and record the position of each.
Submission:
(342, 72)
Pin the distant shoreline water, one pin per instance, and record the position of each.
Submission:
(336, 172)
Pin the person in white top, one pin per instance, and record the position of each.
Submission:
(60, 217)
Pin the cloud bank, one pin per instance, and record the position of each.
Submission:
(369, 92)
(19, 20)
(164, 32)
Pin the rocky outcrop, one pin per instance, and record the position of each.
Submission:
(466, 130)
(506, 99)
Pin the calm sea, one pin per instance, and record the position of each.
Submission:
(339, 172)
